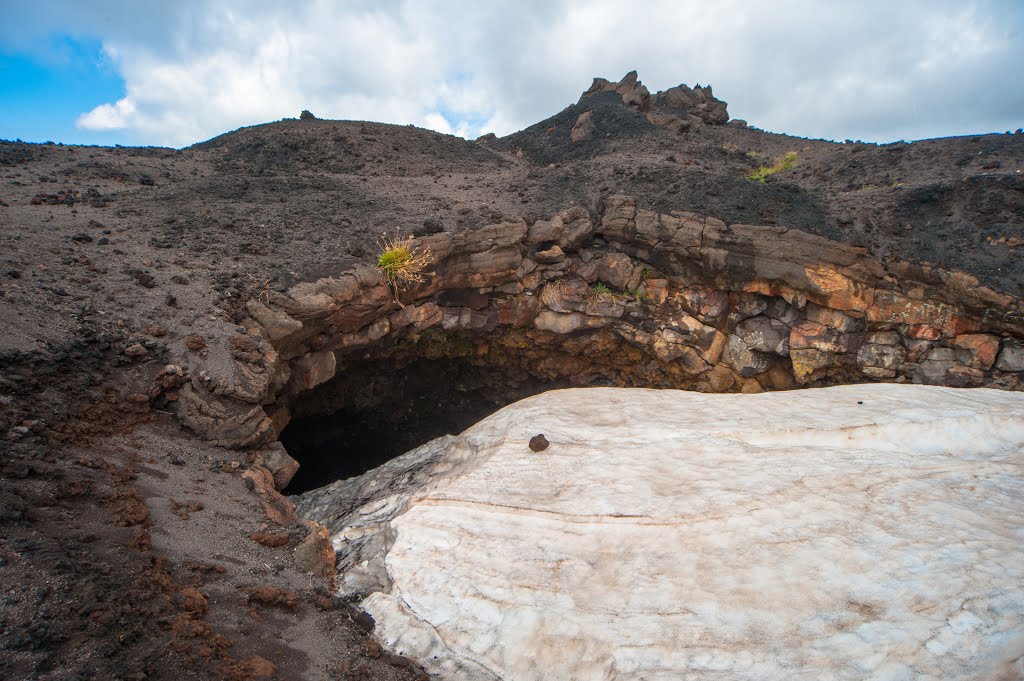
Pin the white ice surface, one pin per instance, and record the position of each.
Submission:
(857, 532)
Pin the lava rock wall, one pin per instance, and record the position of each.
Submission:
(628, 297)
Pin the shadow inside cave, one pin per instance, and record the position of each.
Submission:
(367, 416)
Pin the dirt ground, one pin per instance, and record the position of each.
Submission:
(125, 542)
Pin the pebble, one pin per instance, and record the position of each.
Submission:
(135, 350)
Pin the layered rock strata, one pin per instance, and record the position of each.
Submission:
(628, 297)
(870, 532)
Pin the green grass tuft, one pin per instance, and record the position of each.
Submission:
(785, 163)
(400, 263)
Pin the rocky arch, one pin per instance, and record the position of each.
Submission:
(626, 297)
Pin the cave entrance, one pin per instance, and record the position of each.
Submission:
(375, 410)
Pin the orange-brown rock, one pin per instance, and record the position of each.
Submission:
(923, 332)
(281, 465)
(271, 540)
(277, 508)
(190, 600)
(976, 350)
(309, 371)
(813, 335)
(254, 667)
(891, 307)
(315, 553)
(272, 596)
(632, 91)
(195, 342)
(584, 127)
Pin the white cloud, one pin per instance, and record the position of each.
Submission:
(872, 70)
(108, 116)
(436, 121)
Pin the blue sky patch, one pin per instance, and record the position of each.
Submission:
(43, 93)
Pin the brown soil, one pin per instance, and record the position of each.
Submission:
(129, 548)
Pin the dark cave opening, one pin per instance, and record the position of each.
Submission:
(367, 416)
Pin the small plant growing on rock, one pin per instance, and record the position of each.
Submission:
(601, 289)
(762, 173)
(641, 296)
(400, 263)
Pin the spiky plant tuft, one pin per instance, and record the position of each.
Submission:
(400, 263)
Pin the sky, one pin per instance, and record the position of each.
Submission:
(176, 73)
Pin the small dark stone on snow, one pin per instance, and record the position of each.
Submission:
(539, 443)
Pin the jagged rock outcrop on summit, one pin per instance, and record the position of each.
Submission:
(634, 93)
(678, 109)
(700, 102)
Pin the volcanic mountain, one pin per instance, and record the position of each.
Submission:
(191, 337)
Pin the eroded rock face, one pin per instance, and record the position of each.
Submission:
(870, 532)
(628, 297)
(634, 93)
(699, 101)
